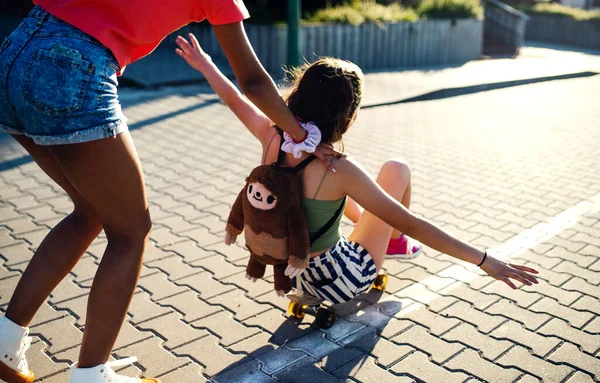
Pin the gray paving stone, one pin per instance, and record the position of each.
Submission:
(580, 377)
(242, 308)
(540, 345)
(471, 361)
(256, 345)
(466, 313)
(192, 373)
(208, 352)
(524, 299)
(154, 359)
(587, 303)
(418, 338)
(142, 308)
(550, 306)
(174, 268)
(248, 372)
(509, 310)
(478, 299)
(170, 328)
(189, 250)
(520, 358)
(218, 266)
(16, 253)
(44, 366)
(60, 334)
(581, 285)
(468, 335)
(561, 329)
(190, 305)
(227, 329)
(302, 372)
(419, 366)
(159, 287)
(568, 353)
(205, 285)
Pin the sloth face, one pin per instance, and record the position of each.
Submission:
(260, 197)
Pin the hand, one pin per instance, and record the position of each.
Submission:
(292, 272)
(251, 278)
(192, 53)
(504, 272)
(230, 238)
(327, 150)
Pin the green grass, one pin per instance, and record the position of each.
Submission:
(363, 12)
(554, 9)
(450, 9)
(359, 12)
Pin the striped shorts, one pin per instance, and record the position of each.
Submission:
(339, 274)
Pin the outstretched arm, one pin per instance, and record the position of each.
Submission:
(374, 199)
(258, 87)
(253, 118)
(254, 81)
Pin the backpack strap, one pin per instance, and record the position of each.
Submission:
(281, 157)
(281, 153)
(314, 237)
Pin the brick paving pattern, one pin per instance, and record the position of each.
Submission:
(499, 169)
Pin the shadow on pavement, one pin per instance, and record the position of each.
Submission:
(292, 352)
(461, 91)
(9, 161)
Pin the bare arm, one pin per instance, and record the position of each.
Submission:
(374, 199)
(253, 118)
(253, 79)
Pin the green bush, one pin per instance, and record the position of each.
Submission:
(357, 13)
(450, 9)
(555, 9)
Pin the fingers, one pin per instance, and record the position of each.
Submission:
(280, 293)
(524, 268)
(529, 277)
(324, 161)
(183, 44)
(194, 41)
(508, 282)
(518, 277)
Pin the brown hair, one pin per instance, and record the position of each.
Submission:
(327, 93)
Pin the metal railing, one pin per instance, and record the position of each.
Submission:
(504, 26)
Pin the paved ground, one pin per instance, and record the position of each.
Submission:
(514, 169)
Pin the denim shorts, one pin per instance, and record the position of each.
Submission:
(58, 85)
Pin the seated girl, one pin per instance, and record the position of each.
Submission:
(328, 93)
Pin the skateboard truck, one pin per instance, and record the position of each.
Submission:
(302, 303)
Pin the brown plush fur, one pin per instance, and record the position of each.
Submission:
(277, 236)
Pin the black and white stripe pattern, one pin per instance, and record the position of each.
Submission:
(339, 274)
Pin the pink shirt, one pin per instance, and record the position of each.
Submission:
(132, 29)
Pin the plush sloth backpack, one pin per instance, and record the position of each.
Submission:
(268, 210)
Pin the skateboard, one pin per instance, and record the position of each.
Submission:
(302, 303)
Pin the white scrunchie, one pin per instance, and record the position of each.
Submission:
(309, 145)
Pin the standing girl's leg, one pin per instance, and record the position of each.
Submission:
(55, 256)
(107, 173)
(371, 232)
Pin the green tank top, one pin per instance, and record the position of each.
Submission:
(317, 213)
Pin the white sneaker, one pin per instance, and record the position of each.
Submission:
(104, 373)
(14, 343)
